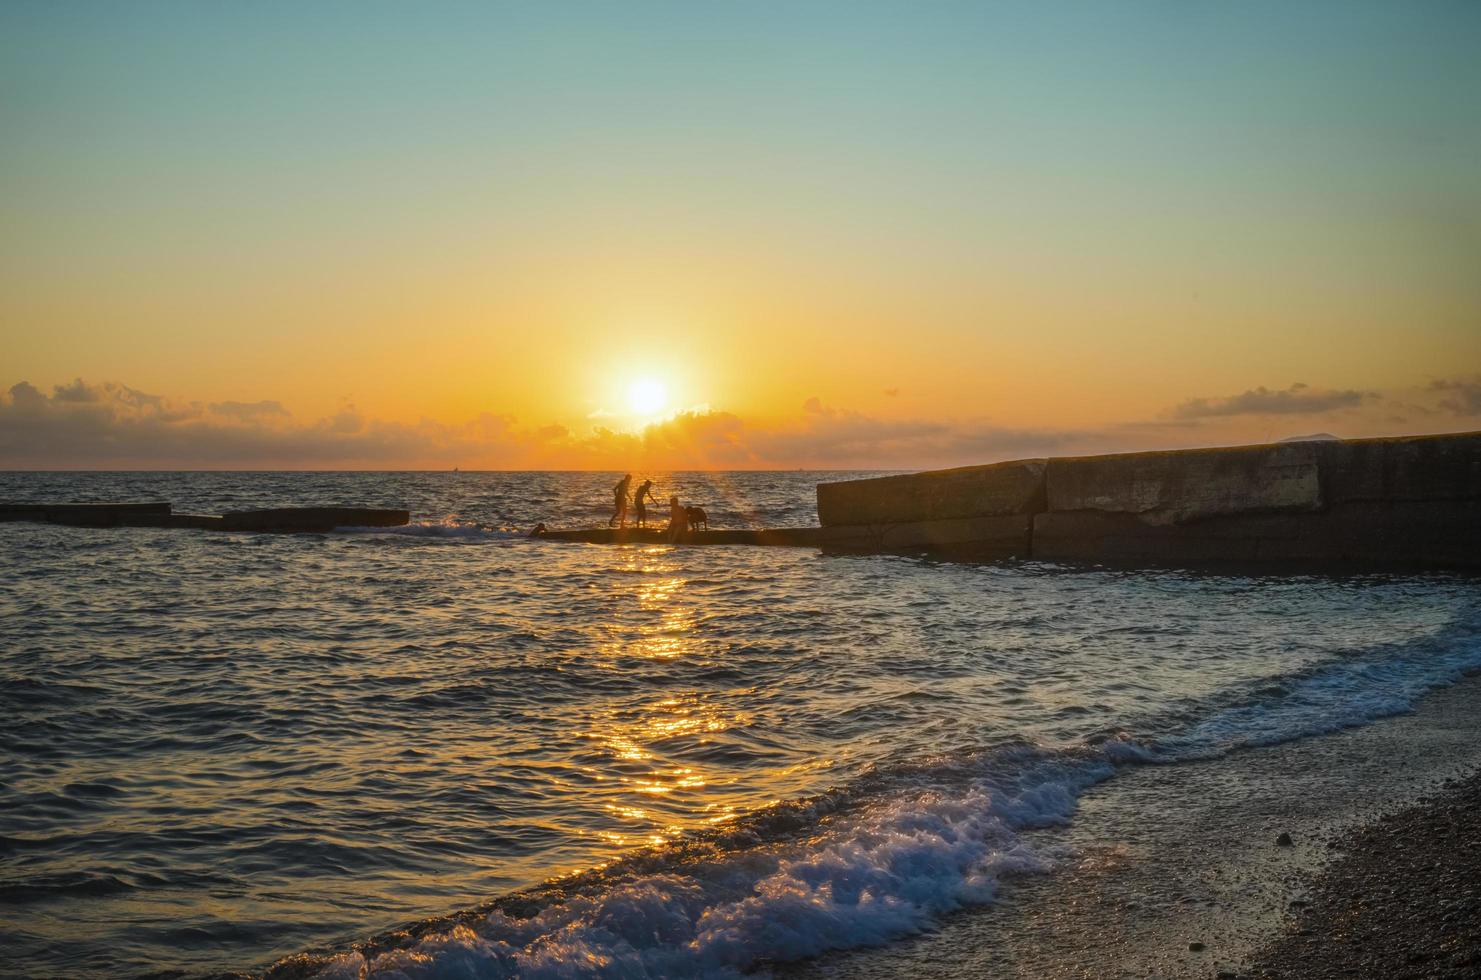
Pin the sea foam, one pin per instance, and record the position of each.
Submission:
(920, 842)
(886, 871)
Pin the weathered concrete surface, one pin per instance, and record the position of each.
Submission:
(85, 515)
(1406, 468)
(287, 520)
(971, 491)
(1410, 501)
(1184, 486)
(982, 538)
(312, 519)
(1429, 534)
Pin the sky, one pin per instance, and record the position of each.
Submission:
(732, 235)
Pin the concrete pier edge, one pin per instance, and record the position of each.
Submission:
(1409, 500)
(286, 520)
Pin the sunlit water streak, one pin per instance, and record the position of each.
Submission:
(223, 749)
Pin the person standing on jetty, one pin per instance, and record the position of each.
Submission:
(642, 511)
(678, 520)
(619, 502)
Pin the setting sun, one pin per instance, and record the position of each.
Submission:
(647, 396)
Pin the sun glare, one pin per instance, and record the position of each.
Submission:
(647, 396)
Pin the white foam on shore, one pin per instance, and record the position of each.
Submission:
(1341, 694)
(927, 842)
(888, 872)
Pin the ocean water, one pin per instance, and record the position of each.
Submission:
(223, 752)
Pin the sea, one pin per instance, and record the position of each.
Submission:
(450, 750)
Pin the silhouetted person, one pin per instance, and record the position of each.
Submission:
(646, 490)
(619, 502)
(678, 520)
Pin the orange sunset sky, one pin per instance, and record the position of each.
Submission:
(738, 236)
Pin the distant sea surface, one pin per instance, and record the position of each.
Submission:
(218, 751)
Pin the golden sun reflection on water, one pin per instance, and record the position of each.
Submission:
(658, 789)
(655, 623)
(657, 794)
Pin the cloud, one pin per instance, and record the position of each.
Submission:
(815, 406)
(249, 410)
(1298, 399)
(113, 425)
(1462, 396)
(25, 398)
(123, 398)
(839, 437)
(75, 392)
(108, 425)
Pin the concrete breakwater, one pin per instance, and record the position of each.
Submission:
(1410, 501)
(284, 520)
(1397, 501)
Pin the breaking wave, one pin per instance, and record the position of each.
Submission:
(832, 873)
(860, 866)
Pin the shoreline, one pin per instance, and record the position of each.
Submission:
(1403, 901)
(1208, 888)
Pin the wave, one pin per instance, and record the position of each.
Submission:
(47, 887)
(868, 863)
(1344, 693)
(830, 873)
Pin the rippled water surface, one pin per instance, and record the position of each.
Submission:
(224, 749)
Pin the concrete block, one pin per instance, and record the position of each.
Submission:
(970, 491)
(85, 515)
(1189, 485)
(1097, 536)
(1445, 467)
(23, 512)
(312, 519)
(985, 537)
(607, 535)
(804, 537)
(1410, 534)
(1418, 533)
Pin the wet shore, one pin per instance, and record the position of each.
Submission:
(1308, 859)
(1403, 902)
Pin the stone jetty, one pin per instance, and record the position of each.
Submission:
(286, 520)
(1410, 501)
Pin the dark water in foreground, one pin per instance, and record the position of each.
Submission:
(219, 750)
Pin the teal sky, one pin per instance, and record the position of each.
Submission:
(1256, 193)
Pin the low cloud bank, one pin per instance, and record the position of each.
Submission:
(1298, 399)
(81, 425)
(109, 425)
(1459, 396)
